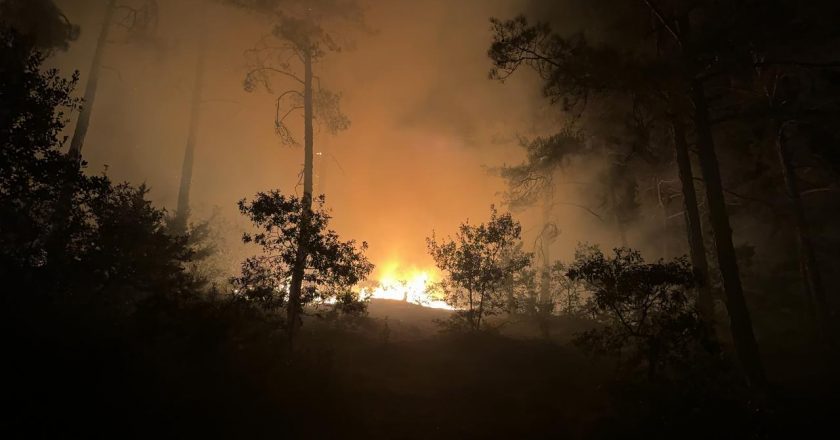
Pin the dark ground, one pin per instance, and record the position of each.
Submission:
(203, 372)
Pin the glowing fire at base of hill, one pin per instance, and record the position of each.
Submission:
(411, 286)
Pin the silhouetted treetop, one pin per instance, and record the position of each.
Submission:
(332, 266)
(40, 20)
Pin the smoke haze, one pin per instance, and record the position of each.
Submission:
(426, 121)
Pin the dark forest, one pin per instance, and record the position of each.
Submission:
(420, 219)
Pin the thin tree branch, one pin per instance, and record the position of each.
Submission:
(275, 70)
(581, 207)
(819, 190)
(661, 17)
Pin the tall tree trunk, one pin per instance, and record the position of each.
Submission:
(809, 267)
(471, 309)
(693, 225)
(294, 303)
(614, 205)
(545, 245)
(663, 210)
(322, 167)
(544, 301)
(739, 315)
(480, 312)
(510, 298)
(83, 122)
(182, 212)
(509, 286)
(57, 238)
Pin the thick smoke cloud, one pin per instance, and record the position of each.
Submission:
(427, 123)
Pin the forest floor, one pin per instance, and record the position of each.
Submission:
(425, 385)
(189, 376)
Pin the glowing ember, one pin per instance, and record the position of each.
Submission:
(410, 286)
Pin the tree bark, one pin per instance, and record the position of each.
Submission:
(83, 122)
(613, 200)
(809, 267)
(693, 227)
(471, 310)
(739, 316)
(182, 212)
(294, 303)
(480, 312)
(545, 245)
(545, 302)
(322, 167)
(57, 238)
(510, 298)
(663, 211)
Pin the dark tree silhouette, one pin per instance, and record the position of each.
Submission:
(34, 109)
(645, 309)
(180, 220)
(333, 266)
(300, 27)
(40, 20)
(110, 238)
(477, 263)
(573, 70)
(577, 73)
(137, 19)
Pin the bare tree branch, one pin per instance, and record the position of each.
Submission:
(264, 69)
(661, 17)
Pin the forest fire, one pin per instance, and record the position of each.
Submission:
(365, 219)
(409, 285)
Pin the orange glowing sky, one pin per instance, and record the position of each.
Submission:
(426, 121)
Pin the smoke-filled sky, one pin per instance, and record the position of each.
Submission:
(426, 120)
